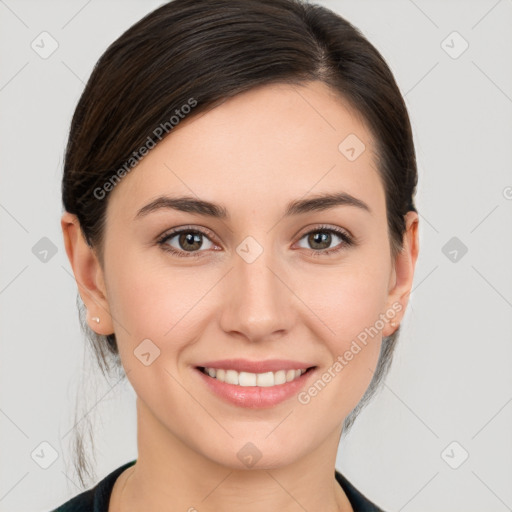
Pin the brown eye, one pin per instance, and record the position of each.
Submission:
(189, 241)
(320, 240)
(183, 241)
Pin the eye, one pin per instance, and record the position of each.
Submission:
(321, 238)
(185, 242)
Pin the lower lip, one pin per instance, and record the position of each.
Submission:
(255, 397)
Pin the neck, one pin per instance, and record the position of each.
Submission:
(168, 472)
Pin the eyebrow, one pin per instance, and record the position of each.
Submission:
(201, 207)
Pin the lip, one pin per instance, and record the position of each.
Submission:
(244, 365)
(255, 397)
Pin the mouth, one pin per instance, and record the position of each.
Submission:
(254, 390)
(249, 379)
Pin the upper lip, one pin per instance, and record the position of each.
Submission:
(244, 365)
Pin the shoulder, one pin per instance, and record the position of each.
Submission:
(359, 502)
(97, 498)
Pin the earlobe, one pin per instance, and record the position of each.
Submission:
(88, 275)
(404, 271)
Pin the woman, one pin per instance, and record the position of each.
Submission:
(239, 216)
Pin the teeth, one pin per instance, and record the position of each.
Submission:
(231, 377)
(246, 379)
(254, 379)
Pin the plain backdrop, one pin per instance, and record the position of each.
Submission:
(437, 437)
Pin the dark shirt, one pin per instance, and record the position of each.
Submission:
(97, 498)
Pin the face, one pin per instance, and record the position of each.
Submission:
(261, 283)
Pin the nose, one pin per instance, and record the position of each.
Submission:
(258, 301)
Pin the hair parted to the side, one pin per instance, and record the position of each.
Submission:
(211, 50)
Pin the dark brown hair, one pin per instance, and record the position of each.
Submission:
(210, 50)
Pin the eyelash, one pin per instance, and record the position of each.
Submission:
(347, 241)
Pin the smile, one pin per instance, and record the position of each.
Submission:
(255, 390)
(266, 379)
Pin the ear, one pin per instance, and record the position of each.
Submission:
(88, 275)
(403, 273)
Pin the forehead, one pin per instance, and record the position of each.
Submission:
(273, 143)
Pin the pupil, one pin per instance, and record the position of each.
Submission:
(321, 238)
(189, 239)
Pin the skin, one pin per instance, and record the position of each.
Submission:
(253, 154)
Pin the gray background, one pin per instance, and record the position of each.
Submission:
(451, 378)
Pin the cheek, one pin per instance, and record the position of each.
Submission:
(351, 312)
(360, 303)
(134, 295)
(348, 307)
(155, 301)
(347, 301)
(355, 320)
